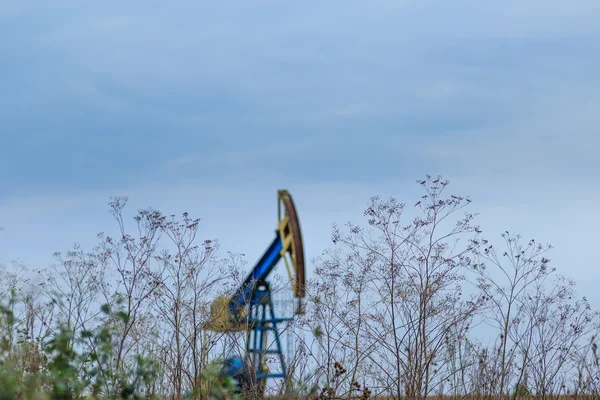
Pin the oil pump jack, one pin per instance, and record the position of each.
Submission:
(250, 307)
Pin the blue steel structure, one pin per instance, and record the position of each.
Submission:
(259, 273)
(254, 296)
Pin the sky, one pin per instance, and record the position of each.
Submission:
(210, 107)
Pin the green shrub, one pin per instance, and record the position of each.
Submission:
(67, 367)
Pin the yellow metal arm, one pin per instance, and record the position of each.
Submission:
(292, 247)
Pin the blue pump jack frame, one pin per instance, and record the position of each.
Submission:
(255, 292)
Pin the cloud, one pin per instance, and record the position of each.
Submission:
(326, 85)
(175, 104)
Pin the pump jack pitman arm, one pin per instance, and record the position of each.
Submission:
(287, 245)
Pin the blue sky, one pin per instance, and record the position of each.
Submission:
(209, 107)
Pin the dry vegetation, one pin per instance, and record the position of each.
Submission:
(413, 304)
